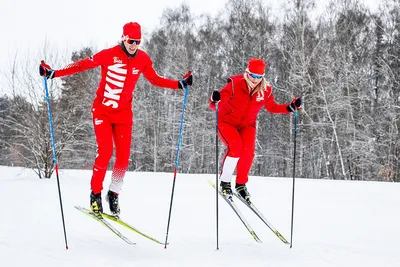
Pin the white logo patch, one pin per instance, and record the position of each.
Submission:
(117, 60)
(97, 121)
(260, 96)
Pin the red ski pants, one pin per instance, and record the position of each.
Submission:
(240, 143)
(111, 127)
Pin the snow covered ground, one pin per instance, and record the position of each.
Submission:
(336, 223)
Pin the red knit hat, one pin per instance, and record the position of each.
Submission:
(132, 30)
(256, 66)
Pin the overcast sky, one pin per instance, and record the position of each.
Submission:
(25, 25)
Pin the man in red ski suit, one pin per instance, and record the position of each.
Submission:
(240, 101)
(121, 67)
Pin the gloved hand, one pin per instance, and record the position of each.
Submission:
(295, 105)
(187, 80)
(215, 96)
(45, 70)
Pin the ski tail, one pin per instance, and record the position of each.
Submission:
(101, 220)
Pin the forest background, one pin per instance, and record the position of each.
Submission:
(344, 63)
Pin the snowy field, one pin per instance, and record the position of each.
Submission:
(336, 223)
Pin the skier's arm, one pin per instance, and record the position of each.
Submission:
(274, 107)
(79, 66)
(151, 75)
(225, 94)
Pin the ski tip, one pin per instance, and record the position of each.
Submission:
(256, 238)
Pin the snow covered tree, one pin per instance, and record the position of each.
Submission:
(75, 102)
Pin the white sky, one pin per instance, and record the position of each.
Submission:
(71, 24)
(68, 25)
(336, 223)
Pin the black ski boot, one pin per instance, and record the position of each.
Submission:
(95, 203)
(112, 199)
(241, 189)
(226, 189)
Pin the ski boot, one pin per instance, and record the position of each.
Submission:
(241, 189)
(112, 199)
(95, 203)
(226, 189)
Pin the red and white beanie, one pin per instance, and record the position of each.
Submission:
(132, 30)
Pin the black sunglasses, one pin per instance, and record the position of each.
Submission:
(133, 41)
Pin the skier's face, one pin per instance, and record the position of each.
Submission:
(254, 78)
(131, 45)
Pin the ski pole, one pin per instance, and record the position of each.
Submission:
(55, 157)
(216, 167)
(294, 172)
(176, 161)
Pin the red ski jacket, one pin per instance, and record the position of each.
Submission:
(119, 74)
(239, 108)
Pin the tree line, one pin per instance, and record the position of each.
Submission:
(344, 63)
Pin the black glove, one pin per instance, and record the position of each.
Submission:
(215, 96)
(295, 105)
(45, 70)
(187, 80)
